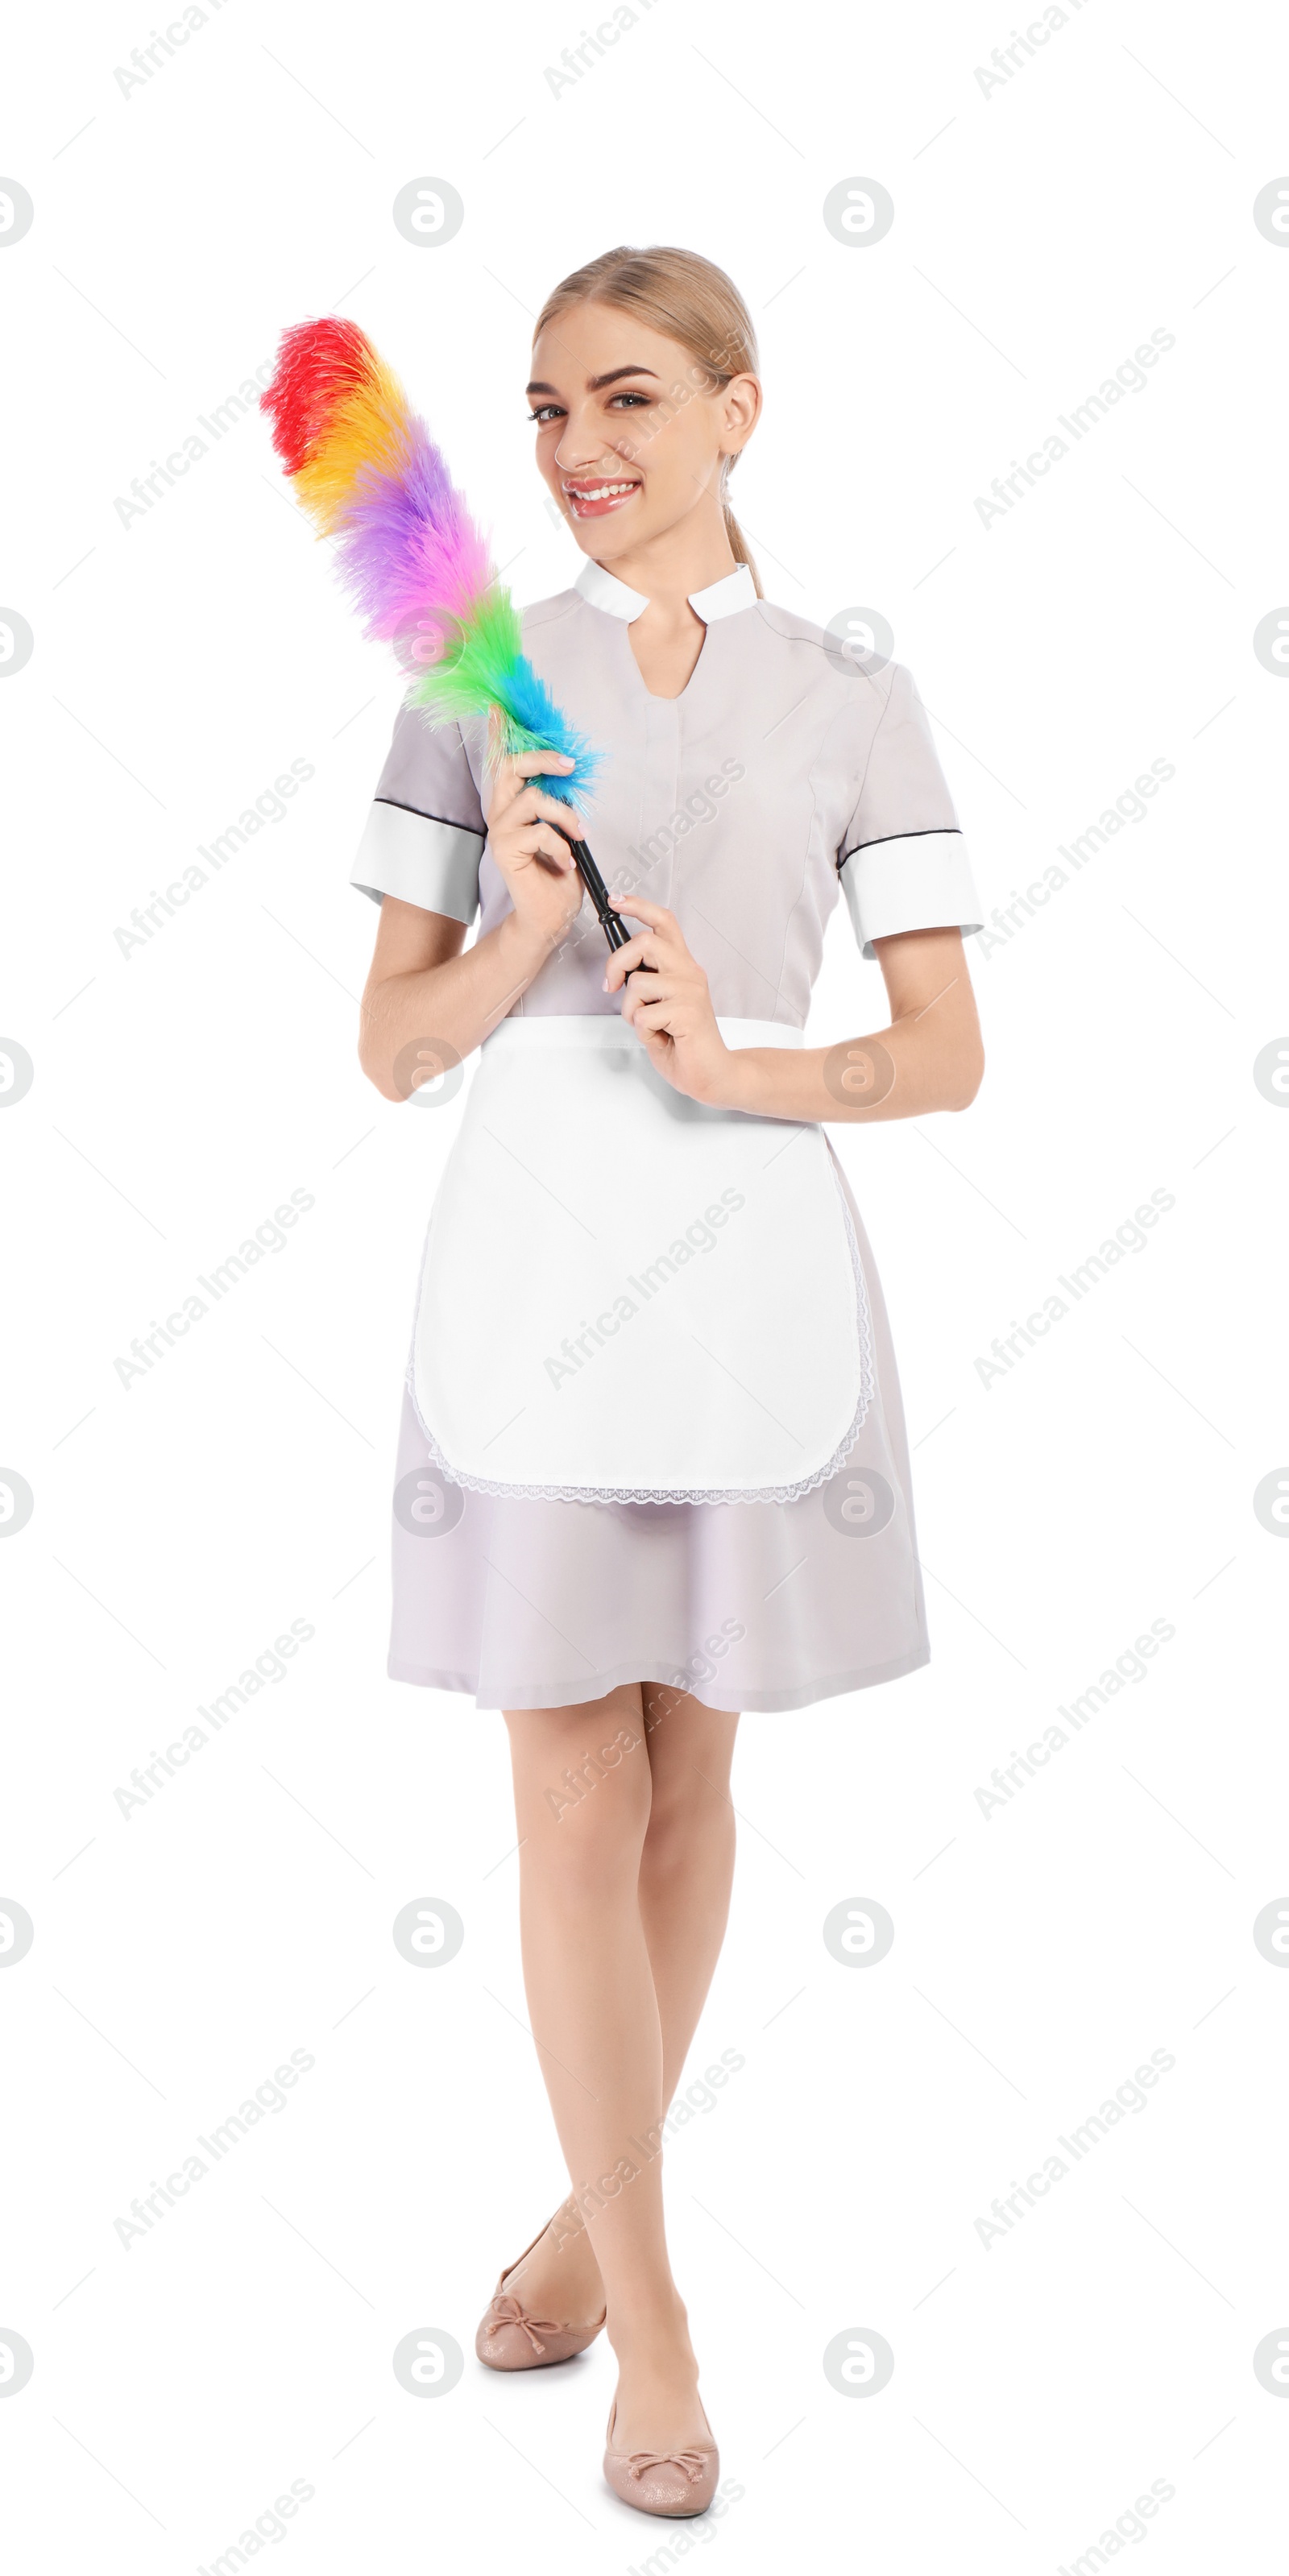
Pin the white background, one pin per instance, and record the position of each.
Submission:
(1043, 229)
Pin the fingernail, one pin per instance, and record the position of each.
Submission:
(605, 985)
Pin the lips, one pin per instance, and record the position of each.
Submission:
(595, 499)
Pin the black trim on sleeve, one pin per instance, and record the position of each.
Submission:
(444, 819)
(932, 832)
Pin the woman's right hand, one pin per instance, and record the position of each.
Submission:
(530, 849)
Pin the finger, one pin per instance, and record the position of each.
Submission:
(516, 768)
(621, 961)
(643, 951)
(533, 805)
(655, 914)
(537, 846)
(644, 990)
(650, 1018)
(645, 1027)
(628, 962)
(540, 841)
(536, 764)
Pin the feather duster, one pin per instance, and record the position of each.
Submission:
(413, 561)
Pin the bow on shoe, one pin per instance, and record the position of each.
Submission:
(508, 2312)
(692, 2462)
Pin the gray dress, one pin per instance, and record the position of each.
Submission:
(785, 772)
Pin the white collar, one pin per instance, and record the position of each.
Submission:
(722, 598)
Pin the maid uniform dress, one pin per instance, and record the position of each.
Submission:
(652, 1427)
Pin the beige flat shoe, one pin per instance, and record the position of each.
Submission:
(678, 2484)
(509, 2339)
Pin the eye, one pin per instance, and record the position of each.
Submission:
(628, 398)
(544, 412)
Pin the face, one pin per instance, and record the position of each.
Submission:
(632, 436)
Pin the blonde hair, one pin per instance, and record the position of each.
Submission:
(685, 298)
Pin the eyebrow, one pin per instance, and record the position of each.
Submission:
(596, 384)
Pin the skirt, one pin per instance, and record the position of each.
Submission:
(748, 1605)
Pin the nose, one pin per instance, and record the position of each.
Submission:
(583, 445)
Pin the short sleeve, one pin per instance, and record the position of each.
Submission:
(425, 833)
(903, 863)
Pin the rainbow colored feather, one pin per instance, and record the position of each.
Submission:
(409, 554)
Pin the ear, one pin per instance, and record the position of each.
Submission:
(740, 411)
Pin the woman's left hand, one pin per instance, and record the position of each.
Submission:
(672, 1009)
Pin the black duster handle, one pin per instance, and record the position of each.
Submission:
(610, 921)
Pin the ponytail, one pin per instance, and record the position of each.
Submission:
(738, 543)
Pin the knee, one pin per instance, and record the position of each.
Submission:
(682, 1824)
(594, 1848)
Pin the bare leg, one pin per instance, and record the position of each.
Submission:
(687, 1866)
(686, 1871)
(589, 1886)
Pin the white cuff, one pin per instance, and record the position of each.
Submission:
(919, 881)
(421, 860)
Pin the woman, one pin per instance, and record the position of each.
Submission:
(666, 1533)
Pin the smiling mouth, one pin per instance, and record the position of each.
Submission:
(595, 500)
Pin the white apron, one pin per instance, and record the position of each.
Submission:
(627, 1296)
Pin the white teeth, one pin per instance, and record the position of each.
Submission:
(604, 492)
